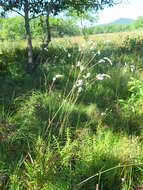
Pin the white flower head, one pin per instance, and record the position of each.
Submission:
(102, 76)
(79, 83)
(103, 114)
(132, 67)
(78, 64)
(125, 64)
(82, 68)
(101, 61)
(98, 52)
(99, 77)
(79, 49)
(45, 48)
(80, 89)
(87, 75)
(106, 76)
(122, 179)
(69, 55)
(110, 62)
(59, 76)
(83, 45)
(56, 77)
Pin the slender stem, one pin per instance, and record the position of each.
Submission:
(110, 169)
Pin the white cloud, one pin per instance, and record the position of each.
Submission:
(129, 9)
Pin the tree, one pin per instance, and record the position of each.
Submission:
(12, 28)
(138, 23)
(80, 9)
(30, 9)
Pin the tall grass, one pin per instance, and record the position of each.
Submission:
(75, 122)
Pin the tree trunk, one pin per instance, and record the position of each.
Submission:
(28, 35)
(48, 29)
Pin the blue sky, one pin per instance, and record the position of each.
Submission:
(128, 9)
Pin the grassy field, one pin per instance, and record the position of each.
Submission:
(116, 38)
(77, 121)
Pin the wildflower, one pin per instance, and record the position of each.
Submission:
(69, 55)
(45, 48)
(132, 67)
(101, 61)
(98, 52)
(78, 64)
(87, 75)
(102, 76)
(125, 64)
(83, 45)
(122, 179)
(103, 114)
(110, 62)
(99, 77)
(107, 76)
(82, 68)
(57, 76)
(79, 83)
(79, 49)
(54, 78)
(80, 89)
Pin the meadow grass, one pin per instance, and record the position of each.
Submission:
(77, 120)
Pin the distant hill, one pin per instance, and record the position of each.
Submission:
(122, 21)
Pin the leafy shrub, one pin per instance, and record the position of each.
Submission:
(133, 43)
(132, 107)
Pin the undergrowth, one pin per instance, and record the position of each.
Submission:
(75, 122)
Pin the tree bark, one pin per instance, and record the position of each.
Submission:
(48, 29)
(28, 35)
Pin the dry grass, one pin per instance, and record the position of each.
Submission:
(116, 38)
(100, 38)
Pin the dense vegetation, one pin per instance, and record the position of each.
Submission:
(12, 28)
(71, 109)
(76, 121)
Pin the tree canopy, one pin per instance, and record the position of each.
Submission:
(29, 9)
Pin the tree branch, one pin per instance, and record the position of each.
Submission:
(17, 12)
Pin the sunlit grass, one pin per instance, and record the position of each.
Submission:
(117, 38)
(68, 125)
(102, 38)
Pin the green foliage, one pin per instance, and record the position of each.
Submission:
(67, 166)
(133, 43)
(55, 135)
(13, 28)
(138, 23)
(132, 107)
(110, 28)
